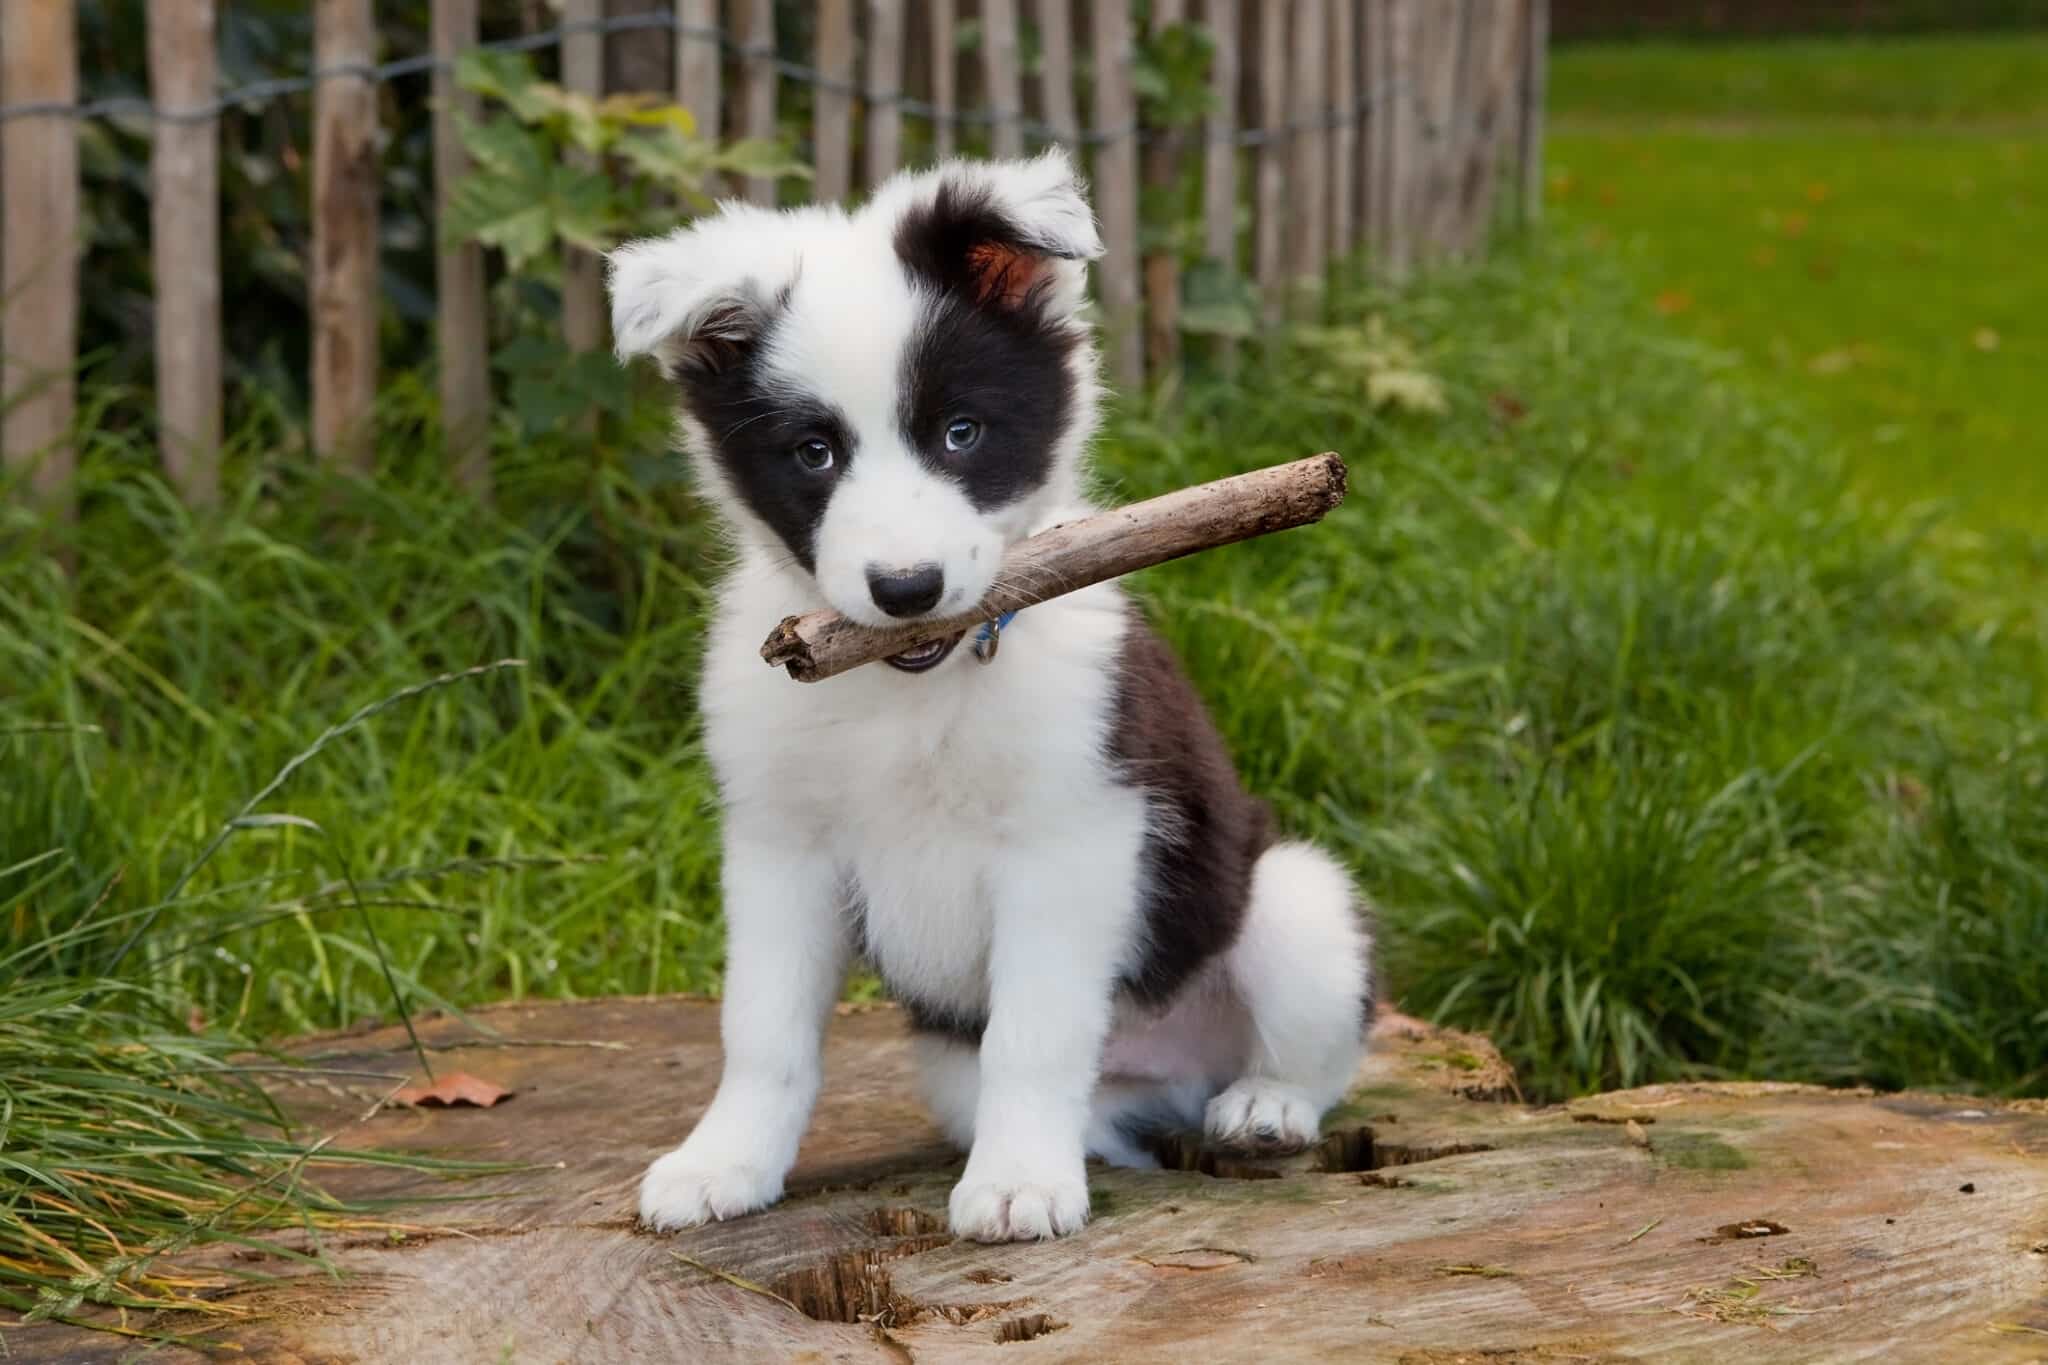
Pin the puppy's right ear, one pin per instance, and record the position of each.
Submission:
(692, 299)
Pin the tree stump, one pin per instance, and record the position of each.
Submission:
(1439, 1220)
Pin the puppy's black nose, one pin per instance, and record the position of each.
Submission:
(907, 592)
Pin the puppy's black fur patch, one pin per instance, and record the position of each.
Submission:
(755, 426)
(986, 351)
(1208, 832)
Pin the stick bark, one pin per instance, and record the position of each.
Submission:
(1076, 554)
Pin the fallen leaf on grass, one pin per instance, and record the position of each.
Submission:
(1672, 302)
(1984, 339)
(454, 1087)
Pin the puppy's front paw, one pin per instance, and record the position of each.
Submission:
(681, 1190)
(1261, 1116)
(1018, 1210)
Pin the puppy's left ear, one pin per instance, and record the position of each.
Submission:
(1005, 234)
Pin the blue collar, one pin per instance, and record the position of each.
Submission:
(991, 635)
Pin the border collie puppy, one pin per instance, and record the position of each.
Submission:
(1093, 930)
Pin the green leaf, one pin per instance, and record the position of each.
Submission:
(760, 156)
(503, 148)
(506, 76)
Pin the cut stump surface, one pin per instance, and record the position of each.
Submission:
(1438, 1221)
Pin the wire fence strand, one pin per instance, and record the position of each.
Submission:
(255, 94)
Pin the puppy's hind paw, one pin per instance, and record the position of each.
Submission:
(680, 1191)
(1262, 1117)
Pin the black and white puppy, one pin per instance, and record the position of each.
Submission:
(1049, 859)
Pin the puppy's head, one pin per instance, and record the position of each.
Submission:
(887, 398)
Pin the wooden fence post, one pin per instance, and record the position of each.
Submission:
(757, 85)
(1003, 77)
(1372, 169)
(700, 70)
(1162, 264)
(832, 124)
(1056, 69)
(1310, 162)
(1269, 225)
(1437, 75)
(1398, 107)
(184, 210)
(583, 323)
(1219, 152)
(1535, 87)
(462, 327)
(1495, 100)
(1344, 137)
(944, 17)
(884, 89)
(1116, 188)
(39, 237)
(636, 59)
(344, 286)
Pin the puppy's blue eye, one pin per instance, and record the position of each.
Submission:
(814, 455)
(963, 434)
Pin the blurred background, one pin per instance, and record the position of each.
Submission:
(1673, 679)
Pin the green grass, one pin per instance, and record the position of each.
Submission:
(1860, 220)
(1996, 77)
(1664, 752)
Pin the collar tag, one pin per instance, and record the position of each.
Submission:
(990, 637)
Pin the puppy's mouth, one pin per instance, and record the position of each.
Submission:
(925, 656)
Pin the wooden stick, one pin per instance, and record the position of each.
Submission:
(1075, 554)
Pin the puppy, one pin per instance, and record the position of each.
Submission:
(1094, 932)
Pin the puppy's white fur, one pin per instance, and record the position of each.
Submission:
(967, 826)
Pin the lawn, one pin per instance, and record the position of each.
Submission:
(1861, 222)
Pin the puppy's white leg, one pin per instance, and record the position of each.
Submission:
(1302, 965)
(1063, 917)
(786, 956)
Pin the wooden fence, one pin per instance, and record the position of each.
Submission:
(1376, 129)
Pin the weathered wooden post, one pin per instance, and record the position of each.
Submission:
(184, 207)
(1002, 77)
(1219, 153)
(884, 87)
(832, 127)
(1116, 189)
(1269, 222)
(462, 325)
(758, 85)
(1162, 263)
(39, 246)
(344, 286)
(1309, 243)
(1056, 69)
(700, 72)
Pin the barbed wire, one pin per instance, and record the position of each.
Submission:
(256, 93)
